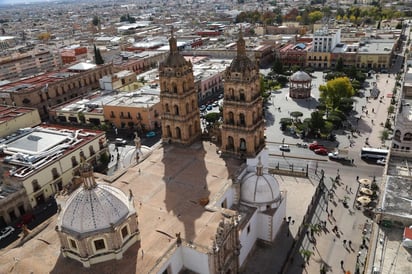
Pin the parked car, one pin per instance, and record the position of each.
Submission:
(284, 147)
(26, 219)
(381, 162)
(202, 108)
(321, 151)
(337, 157)
(5, 232)
(209, 107)
(215, 104)
(314, 146)
(120, 142)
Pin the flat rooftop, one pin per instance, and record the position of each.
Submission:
(169, 186)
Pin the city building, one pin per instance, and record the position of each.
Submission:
(45, 160)
(53, 88)
(135, 110)
(98, 222)
(73, 53)
(178, 98)
(117, 80)
(294, 54)
(243, 126)
(17, 65)
(324, 41)
(14, 118)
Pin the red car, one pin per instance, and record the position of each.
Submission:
(315, 146)
(321, 151)
(26, 219)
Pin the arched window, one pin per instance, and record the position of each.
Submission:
(176, 108)
(230, 143)
(91, 150)
(35, 185)
(187, 108)
(193, 105)
(168, 132)
(398, 135)
(184, 86)
(178, 133)
(55, 173)
(190, 131)
(242, 146)
(167, 108)
(242, 96)
(242, 121)
(232, 93)
(174, 88)
(74, 161)
(231, 120)
(407, 137)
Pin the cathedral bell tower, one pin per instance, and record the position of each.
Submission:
(178, 97)
(243, 124)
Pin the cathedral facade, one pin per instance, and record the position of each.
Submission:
(243, 124)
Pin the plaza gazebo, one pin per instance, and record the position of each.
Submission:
(300, 85)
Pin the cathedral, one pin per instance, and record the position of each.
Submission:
(198, 211)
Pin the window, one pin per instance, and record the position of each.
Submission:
(125, 232)
(74, 161)
(73, 244)
(35, 185)
(99, 244)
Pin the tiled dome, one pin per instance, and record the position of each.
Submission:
(259, 188)
(300, 76)
(93, 210)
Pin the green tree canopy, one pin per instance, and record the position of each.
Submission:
(316, 121)
(335, 90)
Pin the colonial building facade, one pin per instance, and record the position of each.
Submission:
(178, 97)
(243, 126)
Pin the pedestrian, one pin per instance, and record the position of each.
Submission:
(341, 264)
(331, 212)
(350, 243)
(139, 171)
(350, 190)
(357, 178)
(142, 253)
(344, 242)
(373, 110)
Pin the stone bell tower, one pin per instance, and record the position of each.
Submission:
(243, 124)
(178, 97)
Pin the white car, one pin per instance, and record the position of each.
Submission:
(6, 232)
(284, 147)
(381, 162)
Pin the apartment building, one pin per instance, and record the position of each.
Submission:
(17, 65)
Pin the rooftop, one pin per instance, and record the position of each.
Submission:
(167, 194)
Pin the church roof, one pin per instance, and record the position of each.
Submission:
(92, 210)
(259, 187)
(300, 76)
(241, 62)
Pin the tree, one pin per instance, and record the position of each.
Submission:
(335, 90)
(317, 123)
(98, 59)
(296, 114)
(315, 16)
(339, 65)
(95, 20)
(44, 36)
(212, 117)
(278, 66)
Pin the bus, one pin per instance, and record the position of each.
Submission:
(373, 153)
